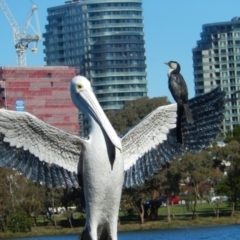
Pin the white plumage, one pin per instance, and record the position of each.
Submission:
(104, 161)
(151, 131)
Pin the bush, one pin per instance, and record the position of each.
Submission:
(20, 222)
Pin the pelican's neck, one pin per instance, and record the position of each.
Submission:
(95, 131)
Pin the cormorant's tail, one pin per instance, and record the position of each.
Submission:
(188, 113)
(179, 124)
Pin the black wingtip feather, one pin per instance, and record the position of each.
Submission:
(34, 169)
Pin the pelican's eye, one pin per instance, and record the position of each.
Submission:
(79, 86)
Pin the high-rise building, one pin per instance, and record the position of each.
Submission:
(216, 61)
(104, 39)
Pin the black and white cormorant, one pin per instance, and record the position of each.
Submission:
(179, 91)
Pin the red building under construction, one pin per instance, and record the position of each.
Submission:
(41, 91)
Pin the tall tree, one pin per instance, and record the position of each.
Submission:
(52, 200)
(135, 197)
(32, 202)
(230, 185)
(197, 168)
(169, 180)
(233, 135)
(17, 194)
(134, 111)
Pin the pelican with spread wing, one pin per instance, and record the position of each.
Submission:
(104, 161)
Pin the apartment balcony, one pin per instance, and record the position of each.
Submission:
(123, 98)
(112, 107)
(118, 74)
(118, 25)
(106, 17)
(120, 90)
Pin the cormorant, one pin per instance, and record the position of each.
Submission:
(179, 91)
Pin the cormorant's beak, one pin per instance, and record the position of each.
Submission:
(166, 63)
(93, 106)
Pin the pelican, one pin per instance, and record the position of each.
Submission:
(179, 91)
(104, 161)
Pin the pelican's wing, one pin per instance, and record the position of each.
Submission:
(153, 142)
(40, 151)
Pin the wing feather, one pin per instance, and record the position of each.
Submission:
(40, 151)
(143, 136)
(207, 111)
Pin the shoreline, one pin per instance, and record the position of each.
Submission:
(41, 231)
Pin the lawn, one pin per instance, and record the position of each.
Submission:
(180, 217)
(201, 209)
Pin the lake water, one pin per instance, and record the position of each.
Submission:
(228, 232)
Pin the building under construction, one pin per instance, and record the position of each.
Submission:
(41, 91)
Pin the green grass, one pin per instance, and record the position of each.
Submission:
(204, 208)
(180, 217)
(201, 209)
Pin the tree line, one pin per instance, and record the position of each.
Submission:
(192, 176)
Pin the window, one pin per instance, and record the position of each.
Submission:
(224, 66)
(49, 75)
(224, 74)
(225, 81)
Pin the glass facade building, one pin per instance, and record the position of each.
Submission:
(216, 61)
(104, 39)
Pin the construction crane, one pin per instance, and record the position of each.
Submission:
(21, 39)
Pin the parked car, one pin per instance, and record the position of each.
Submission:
(174, 200)
(217, 199)
(162, 200)
(57, 210)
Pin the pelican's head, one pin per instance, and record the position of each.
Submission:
(174, 66)
(78, 87)
(85, 100)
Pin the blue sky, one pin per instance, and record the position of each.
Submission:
(171, 31)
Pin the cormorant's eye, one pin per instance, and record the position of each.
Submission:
(79, 86)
